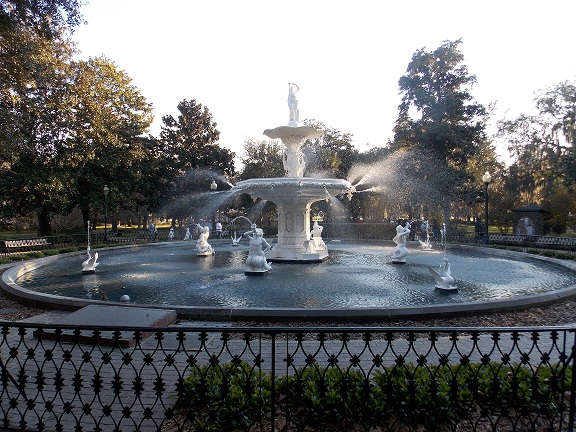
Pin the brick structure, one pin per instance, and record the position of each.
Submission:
(529, 220)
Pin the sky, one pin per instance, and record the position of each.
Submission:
(237, 57)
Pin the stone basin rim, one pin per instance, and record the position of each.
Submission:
(341, 315)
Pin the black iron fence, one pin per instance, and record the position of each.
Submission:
(286, 379)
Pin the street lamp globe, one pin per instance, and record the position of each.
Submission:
(487, 178)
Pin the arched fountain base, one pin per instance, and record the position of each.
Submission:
(293, 197)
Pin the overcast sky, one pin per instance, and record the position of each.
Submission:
(237, 57)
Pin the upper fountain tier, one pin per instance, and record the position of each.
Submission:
(294, 193)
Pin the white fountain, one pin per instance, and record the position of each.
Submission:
(427, 244)
(294, 194)
(400, 252)
(204, 248)
(90, 264)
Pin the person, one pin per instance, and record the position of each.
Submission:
(152, 230)
(256, 261)
(218, 229)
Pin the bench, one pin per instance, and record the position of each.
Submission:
(24, 245)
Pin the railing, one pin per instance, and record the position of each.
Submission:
(287, 379)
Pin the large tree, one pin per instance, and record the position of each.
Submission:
(439, 116)
(191, 141)
(106, 145)
(193, 158)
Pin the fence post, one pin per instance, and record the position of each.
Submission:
(273, 389)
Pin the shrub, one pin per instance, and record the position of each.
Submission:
(236, 396)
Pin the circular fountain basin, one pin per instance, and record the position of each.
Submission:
(357, 283)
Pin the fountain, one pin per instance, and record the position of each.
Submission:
(90, 264)
(354, 282)
(444, 279)
(294, 193)
(426, 245)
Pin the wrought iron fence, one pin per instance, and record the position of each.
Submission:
(204, 378)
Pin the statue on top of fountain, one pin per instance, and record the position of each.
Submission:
(256, 263)
(293, 105)
(293, 136)
(399, 252)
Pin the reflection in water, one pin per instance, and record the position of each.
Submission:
(173, 274)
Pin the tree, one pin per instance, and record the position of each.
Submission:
(35, 115)
(262, 159)
(438, 114)
(190, 151)
(331, 155)
(106, 144)
(191, 142)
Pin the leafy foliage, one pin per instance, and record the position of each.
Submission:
(236, 396)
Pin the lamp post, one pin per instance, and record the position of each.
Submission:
(486, 178)
(106, 191)
(213, 187)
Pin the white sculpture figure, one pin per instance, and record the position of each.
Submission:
(187, 235)
(444, 281)
(293, 105)
(236, 240)
(256, 263)
(426, 245)
(90, 264)
(317, 236)
(204, 248)
(171, 234)
(399, 252)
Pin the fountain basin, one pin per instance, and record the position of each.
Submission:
(293, 197)
(357, 283)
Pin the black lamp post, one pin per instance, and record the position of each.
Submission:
(106, 191)
(486, 178)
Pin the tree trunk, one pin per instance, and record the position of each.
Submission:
(44, 225)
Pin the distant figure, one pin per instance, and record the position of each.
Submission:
(171, 233)
(218, 229)
(256, 261)
(152, 230)
(187, 235)
(293, 105)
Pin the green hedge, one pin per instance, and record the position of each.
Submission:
(237, 396)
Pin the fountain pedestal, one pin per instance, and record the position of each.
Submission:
(293, 197)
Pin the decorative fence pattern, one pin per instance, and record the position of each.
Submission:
(286, 379)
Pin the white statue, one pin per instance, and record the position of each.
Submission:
(204, 248)
(90, 264)
(399, 252)
(317, 236)
(444, 281)
(256, 262)
(187, 235)
(171, 233)
(426, 244)
(293, 105)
